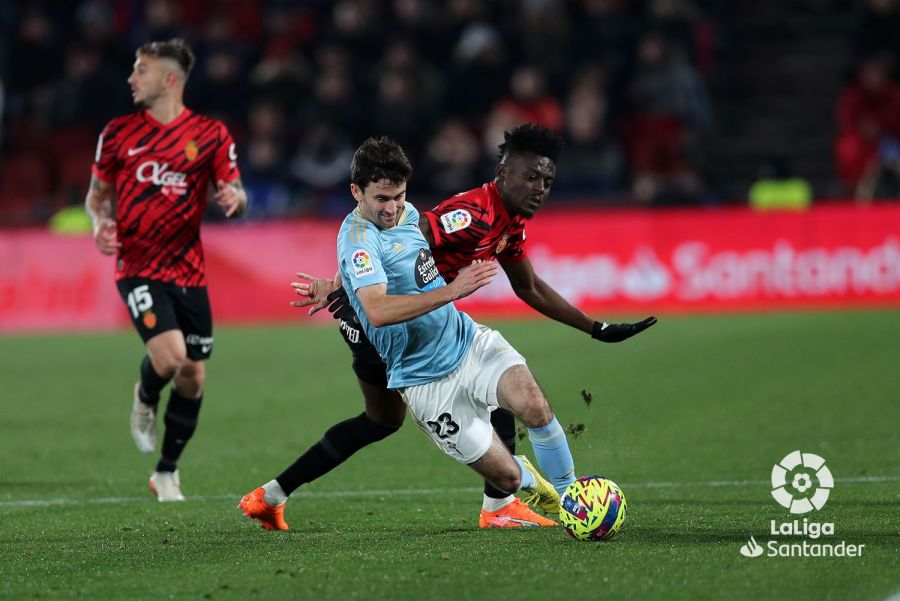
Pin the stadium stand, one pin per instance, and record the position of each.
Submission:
(662, 102)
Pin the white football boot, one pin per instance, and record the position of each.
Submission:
(166, 486)
(143, 423)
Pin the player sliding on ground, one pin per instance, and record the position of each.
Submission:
(480, 224)
(450, 371)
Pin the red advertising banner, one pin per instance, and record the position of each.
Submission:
(716, 260)
(605, 262)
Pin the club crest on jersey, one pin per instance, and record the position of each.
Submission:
(502, 244)
(191, 150)
(171, 182)
(362, 264)
(456, 220)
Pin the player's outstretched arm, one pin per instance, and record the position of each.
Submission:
(384, 310)
(617, 332)
(337, 301)
(232, 197)
(540, 296)
(319, 293)
(99, 205)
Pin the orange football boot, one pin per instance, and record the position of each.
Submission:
(515, 515)
(254, 506)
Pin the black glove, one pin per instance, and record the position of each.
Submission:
(617, 332)
(339, 306)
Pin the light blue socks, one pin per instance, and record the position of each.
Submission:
(551, 449)
(527, 479)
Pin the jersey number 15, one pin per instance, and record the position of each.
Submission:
(139, 300)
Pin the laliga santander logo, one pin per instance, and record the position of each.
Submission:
(461, 218)
(752, 548)
(801, 482)
(360, 259)
(362, 264)
(801, 494)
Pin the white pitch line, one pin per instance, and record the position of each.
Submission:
(409, 491)
(721, 483)
(237, 496)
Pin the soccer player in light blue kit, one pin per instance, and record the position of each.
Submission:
(450, 371)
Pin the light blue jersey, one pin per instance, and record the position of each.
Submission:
(420, 350)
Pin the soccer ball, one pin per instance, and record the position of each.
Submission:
(592, 508)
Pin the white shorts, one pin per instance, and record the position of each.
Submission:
(455, 411)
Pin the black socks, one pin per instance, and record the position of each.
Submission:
(181, 421)
(505, 425)
(151, 383)
(339, 443)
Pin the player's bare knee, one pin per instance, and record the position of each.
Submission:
(519, 392)
(189, 389)
(536, 413)
(198, 379)
(190, 378)
(167, 364)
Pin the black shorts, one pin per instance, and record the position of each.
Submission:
(156, 307)
(367, 363)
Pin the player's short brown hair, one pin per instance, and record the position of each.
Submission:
(377, 159)
(176, 49)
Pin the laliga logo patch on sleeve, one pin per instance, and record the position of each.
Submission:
(456, 220)
(362, 264)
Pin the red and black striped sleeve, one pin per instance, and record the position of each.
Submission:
(106, 158)
(224, 163)
(460, 222)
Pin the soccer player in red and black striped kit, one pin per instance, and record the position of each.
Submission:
(147, 197)
(483, 224)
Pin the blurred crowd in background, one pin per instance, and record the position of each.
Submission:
(867, 148)
(302, 83)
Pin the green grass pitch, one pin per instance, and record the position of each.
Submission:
(688, 418)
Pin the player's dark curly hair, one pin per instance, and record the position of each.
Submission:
(175, 49)
(377, 159)
(530, 137)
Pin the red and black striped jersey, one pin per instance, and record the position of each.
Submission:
(161, 174)
(474, 225)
